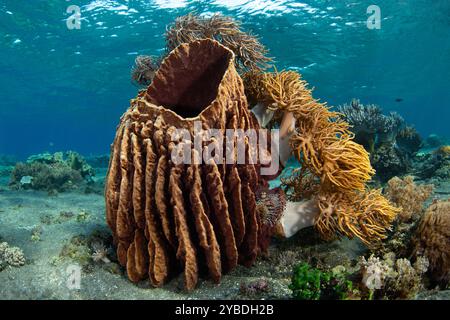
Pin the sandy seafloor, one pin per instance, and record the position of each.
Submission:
(44, 276)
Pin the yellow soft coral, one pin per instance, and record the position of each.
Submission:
(367, 215)
(323, 144)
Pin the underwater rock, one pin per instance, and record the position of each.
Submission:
(432, 240)
(51, 172)
(165, 215)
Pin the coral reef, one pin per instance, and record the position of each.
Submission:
(100, 161)
(434, 165)
(392, 278)
(313, 284)
(408, 196)
(434, 141)
(432, 240)
(51, 172)
(334, 169)
(10, 256)
(249, 53)
(7, 160)
(89, 251)
(390, 142)
(168, 217)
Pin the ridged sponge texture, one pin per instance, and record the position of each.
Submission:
(169, 217)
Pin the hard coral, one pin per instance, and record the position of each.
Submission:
(249, 52)
(10, 256)
(324, 147)
(432, 240)
(168, 217)
(50, 172)
(369, 123)
(390, 142)
(408, 196)
(392, 278)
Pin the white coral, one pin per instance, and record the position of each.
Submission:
(11, 256)
(374, 272)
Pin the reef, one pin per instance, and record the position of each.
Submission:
(313, 284)
(391, 143)
(408, 196)
(10, 256)
(432, 240)
(391, 278)
(249, 53)
(51, 172)
(334, 169)
(434, 165)
(169, 217)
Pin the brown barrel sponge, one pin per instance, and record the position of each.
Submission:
(199, 218)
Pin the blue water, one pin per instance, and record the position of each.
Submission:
(66, 89)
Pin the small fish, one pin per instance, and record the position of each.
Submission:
(398, 99)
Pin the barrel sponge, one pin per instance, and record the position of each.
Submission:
(432, 240)
(324, 147)
(197, 218)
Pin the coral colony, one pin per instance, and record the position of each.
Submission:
(165, 214)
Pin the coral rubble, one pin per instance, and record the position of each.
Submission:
(168, 217)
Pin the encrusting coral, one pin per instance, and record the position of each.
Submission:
(334, 168)
(168, 217)
(250, 54)
(432, 240)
